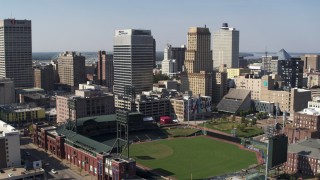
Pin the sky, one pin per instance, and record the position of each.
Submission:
(89, 25)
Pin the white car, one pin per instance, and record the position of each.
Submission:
(10, 174)
(54, 171)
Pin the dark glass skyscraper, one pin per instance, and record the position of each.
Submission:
(133, 60)
(16, 52)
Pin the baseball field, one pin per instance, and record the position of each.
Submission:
(197, 158)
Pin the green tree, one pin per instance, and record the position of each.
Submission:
(159, 77)
(254, 122)
(243, 120)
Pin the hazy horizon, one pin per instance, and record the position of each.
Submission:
(89, 25)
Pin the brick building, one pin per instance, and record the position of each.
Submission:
(303, 157)
(306, 124)
(89, 155)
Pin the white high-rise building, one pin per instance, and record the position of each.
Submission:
(169, 65)
(16, 52)
(9, 146)
(226, 47)
(133, 60)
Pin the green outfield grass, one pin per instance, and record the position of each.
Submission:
(200, 156)
(180, 132)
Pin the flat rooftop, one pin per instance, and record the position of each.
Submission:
(6, 128)
(20, 173)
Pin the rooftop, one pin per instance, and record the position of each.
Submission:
(309, 147)
(6, 128)
(83, 142)
(20, 173)
(102, 118)
(283, 55)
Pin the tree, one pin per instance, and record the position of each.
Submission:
(254, 122)
(160, 77)
(243, 120)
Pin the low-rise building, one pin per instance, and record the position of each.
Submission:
(306, 124)
(236, 72)
(220, 86)
(290, 101)
(7, 91)
(149, 105)
(313, 80)
(235, 101)
(21, 113)
(303, 157)
(89, 100)
(9, 146)
(23, 173)
(264, 106)
(86, 153)
(199, 107)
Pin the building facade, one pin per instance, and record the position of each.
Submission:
(133, 60)
(6, 91)
(198, 63)
(311, 62)
(149, 106)
(21, 113)
(9, 146)
(235, 72)
(313, 80)
(105, 69)
(291, 69)
(16, 52)
(178, 53)
(71, 69)
(226, 47)
(44, 77)
(220, 86)
(169, 67)
(303, 158)
(86, 102)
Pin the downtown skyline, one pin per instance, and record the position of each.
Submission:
(90, 26)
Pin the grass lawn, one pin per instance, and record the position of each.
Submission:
(202, 156)
(180, 132)
(228, 126)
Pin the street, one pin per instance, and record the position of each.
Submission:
(30, 152)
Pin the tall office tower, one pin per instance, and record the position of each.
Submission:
(133, 60)
(226, 47)
(168, 65)
(105, 69)
(71, 69)
(291, 69)
(311, 62)
(197, 76)
(154, 52)
(44, 77)
(54, 64)
(16, 52)
(178, 53)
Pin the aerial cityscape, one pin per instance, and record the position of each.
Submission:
(210, 89)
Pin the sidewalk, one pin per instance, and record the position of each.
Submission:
(84, 174)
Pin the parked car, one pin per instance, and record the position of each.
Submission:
(54, 171)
